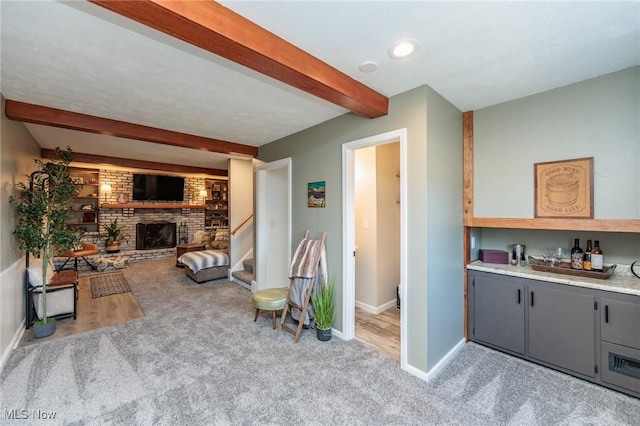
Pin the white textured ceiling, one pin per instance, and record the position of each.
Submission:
(79, 57)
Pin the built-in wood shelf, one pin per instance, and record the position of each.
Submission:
(152, 206)
(603, 225)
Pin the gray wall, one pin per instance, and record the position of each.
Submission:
(317, 155)
(597, 118)
(17, 151)
(445, 230)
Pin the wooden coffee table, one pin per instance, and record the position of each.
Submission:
(185, 248)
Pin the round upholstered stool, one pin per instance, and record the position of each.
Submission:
(270, 299)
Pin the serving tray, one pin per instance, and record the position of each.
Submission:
(565, 268)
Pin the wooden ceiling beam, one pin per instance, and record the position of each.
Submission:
(37, 114)
(217, 29)
(50, 154)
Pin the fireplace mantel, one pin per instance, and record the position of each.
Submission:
(152, 206)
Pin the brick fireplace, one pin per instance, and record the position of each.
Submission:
(122, 183)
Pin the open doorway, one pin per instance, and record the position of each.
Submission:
(377, 239)
(350, 248)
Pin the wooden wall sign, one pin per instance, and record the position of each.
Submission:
(564, 189)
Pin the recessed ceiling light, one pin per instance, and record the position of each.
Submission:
(403, 48)
(368, 66)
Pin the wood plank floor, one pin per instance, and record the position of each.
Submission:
(92, 314)
(381, 331)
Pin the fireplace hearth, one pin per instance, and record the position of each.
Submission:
(153, 235)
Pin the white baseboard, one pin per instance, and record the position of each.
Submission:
(12, 308)
(337, 333)
(14, 344)
(429, 375)
(376, 309)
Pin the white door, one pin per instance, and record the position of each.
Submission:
(272, 253)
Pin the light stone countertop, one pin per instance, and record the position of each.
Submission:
(622, 281)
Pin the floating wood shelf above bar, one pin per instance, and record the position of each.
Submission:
(152, 206)
(604, 225)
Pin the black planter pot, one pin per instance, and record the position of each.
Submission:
(323, 335)
(44, 330)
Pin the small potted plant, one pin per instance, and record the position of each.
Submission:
(113, 236)
(324, 310)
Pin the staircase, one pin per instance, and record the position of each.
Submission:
(245, 276)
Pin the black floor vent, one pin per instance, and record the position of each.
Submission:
(624, 365)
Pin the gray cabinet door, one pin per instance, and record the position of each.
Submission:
(562, 328)
(620, 322)
(499, 308)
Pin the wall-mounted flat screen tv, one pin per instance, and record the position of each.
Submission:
(158, 188)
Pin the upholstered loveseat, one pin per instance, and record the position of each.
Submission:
(218, 240)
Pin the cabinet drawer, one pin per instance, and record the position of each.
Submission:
(620, 322)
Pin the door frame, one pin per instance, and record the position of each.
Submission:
(262, 217)
(348, 227)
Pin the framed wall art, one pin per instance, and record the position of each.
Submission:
(564, 189)
(316, 194)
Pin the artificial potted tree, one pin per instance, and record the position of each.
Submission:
(324, 310)
(113, 236)
(42, 215)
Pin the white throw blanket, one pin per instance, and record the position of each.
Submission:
(197, 260)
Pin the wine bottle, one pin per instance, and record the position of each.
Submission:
(586, 259)
(576, 255)
(597, 258)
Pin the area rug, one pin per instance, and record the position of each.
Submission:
(108, 284)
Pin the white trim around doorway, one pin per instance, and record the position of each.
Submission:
(348, 239)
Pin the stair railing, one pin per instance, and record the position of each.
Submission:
(244, 222)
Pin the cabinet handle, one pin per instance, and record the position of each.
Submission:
(606, 313)
(531, 298)
(518, 296)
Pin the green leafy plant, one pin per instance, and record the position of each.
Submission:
(114, 233)
(43, 211)
(324, 305)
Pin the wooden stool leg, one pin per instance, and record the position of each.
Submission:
(257, 312)
(273, 319)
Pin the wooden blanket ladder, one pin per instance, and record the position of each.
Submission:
(289, 304)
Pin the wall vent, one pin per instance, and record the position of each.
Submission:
(624, 365)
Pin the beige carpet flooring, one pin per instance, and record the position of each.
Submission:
(198, 358)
